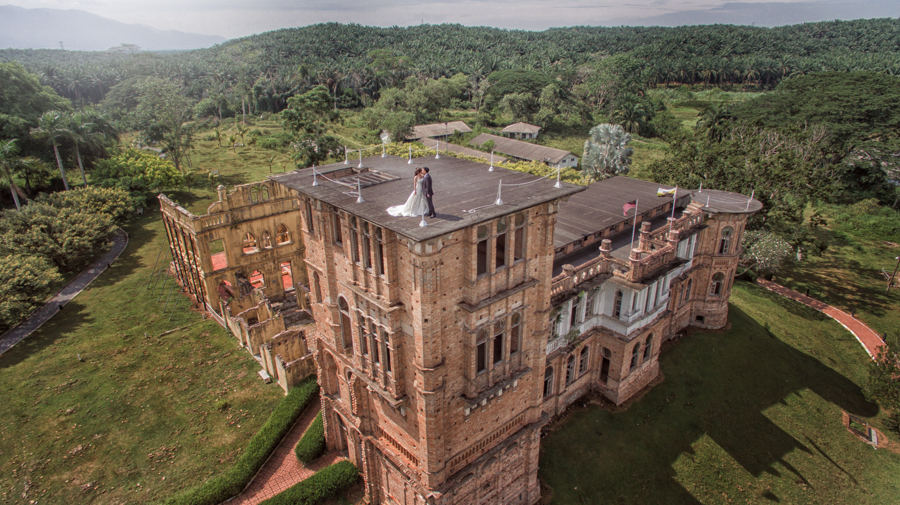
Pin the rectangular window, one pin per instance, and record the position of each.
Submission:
(374, 345)
(367, 246)
(309, 217)
(574, 319)
(354, 240)
(514, 334)
(482, 256)
(382, 341)
(498, 348)
(387, 358)
(363, 348)
(379, 251)
(519, 241)
(481, 358)
(338, 235)
(217, 254)
(500, 256)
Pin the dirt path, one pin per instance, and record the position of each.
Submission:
(56, 304)
(283, 469)
(866, 336)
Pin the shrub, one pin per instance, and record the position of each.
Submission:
(323, 485)
(26, 281)
(867, 219)
(232, 481)
(113, 202)
(312, 445)
(276, 141)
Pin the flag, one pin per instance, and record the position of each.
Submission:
(628, 206)
(665, 192)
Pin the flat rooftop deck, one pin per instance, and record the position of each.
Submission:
(464, 192)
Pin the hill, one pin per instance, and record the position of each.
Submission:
(79, 30)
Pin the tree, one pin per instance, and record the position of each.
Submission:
(521, 106)
(8, 153)
(26, 282)
(141, 173)
(606, 153)
(23, 100)
(766, 250)
(162, 114)
(52, 126)
(91, 130)
(308, 117)
(883, 386)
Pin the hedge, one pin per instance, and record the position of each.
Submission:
(232, 481)
(321, 486)
(312, 445)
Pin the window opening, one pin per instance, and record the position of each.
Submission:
(482, 251)
(635, 355)
(217, 254)
(498, 342)
(548, 381)
(282, 235)
(481, 352)
(514, 331)
(519, 242)
(617, 304)
(583, 361)
(648, 347)
(570, 369)
(725, 242)
(346, 333)
(266, 240)
(250, 243)
(716, 287)
(287, 277)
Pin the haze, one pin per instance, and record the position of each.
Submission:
(232, 18)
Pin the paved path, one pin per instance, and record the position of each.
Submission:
(42, 315)
(283, 469)
(866, 336)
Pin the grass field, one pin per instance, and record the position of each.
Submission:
(848, 275)
(140, 416)
(747, 415)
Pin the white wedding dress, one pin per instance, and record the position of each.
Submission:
(416, 204)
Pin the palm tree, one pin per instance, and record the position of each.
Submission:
(90, 130)
(52, 127)
(8, 152)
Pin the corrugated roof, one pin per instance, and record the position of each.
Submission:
(522, 150)
(437, 130)
(521, 128)
(468, 151)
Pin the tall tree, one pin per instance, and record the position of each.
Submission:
(308, 117)
(90, 130)
(53, 127)
(162, 114)
(8, 153)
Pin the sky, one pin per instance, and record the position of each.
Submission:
(238, 18)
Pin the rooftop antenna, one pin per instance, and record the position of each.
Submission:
(499, 200)
(315, 182)
(492, 162)
(360, 159)
(753, 192)
(422, 223)
(437, 149)
(346, 160)
(359, 198)
(409, 162)
(707, 200)
(701, 187)
(634, 225)
(383, 149)
(557, 185)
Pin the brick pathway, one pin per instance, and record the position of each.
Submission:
(52, 307)
(866, 336)
(283, 469)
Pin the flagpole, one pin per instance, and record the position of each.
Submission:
(674, 198)
(634, 226)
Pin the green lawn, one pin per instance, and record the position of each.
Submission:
(140, 416)
(848, 275)
(747, 415)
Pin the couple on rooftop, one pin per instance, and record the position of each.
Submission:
(419, 202)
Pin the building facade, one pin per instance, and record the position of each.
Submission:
(442, 346)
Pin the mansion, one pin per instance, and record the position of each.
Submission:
(442, 346)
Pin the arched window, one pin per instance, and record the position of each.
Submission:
(254, 194)
(635, 355)
(263, 193)
(725, 241)
(363, 335)
(716, 287)
(687, 291)
(514, 332)
(583, 361)
(648, 347)
(282, 235)
(574, 317)
(317, 287)
(266, 240)
(570, 369)
(250, 243)
(346, 331)
(617, 304)
(500, 243)
(519, 241)
(548, 381)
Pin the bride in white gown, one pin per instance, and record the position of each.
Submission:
(416, 204)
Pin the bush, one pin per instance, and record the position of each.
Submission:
(26, 282)
(276, 141)
(312, 445)
(867, 219)
(115, 203)
(323, 485)
(232, 481)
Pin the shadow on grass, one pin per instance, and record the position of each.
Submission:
(718, 388)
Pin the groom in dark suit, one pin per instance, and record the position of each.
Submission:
(429, 192)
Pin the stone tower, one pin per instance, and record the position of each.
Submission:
(431, 340)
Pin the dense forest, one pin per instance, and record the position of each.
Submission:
(268, 68)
